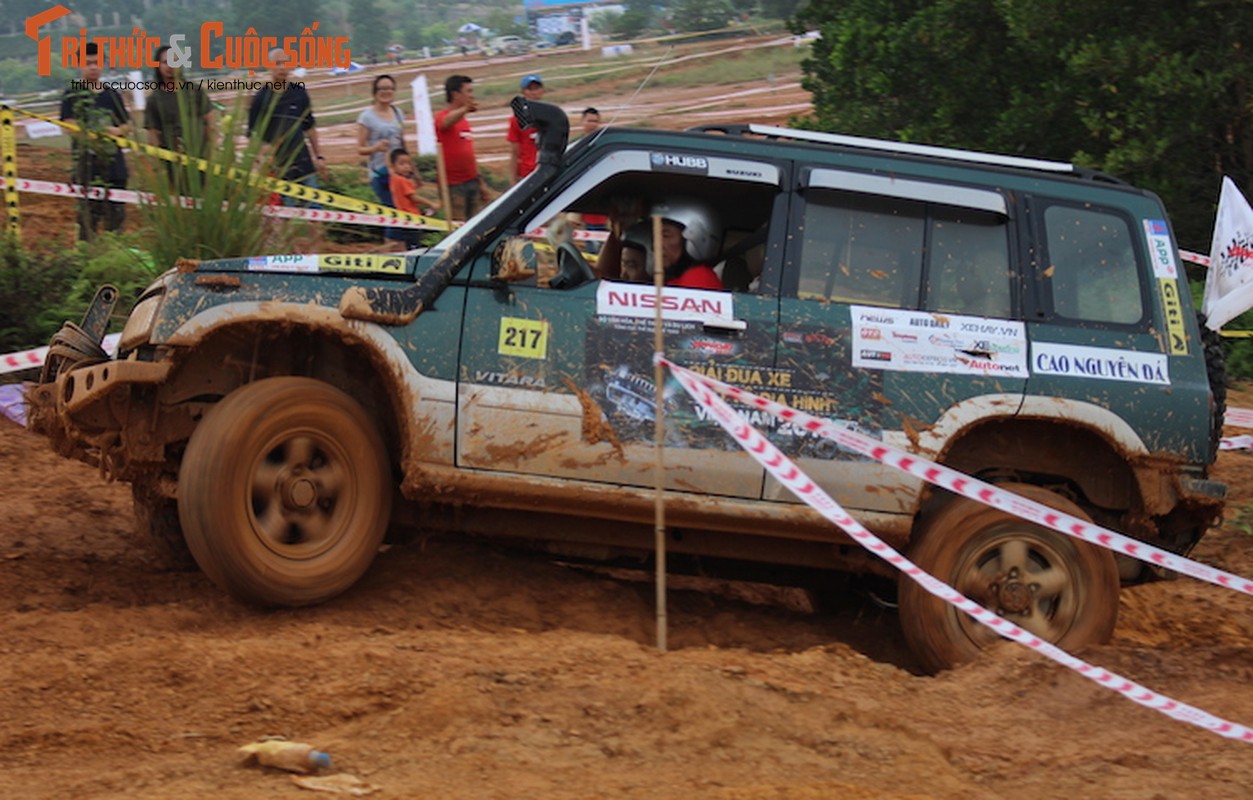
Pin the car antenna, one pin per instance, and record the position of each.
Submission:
(638, 89)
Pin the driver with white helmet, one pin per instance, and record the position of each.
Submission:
(691, 236)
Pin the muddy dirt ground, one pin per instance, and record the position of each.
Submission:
(460, 670)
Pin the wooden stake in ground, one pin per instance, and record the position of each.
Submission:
(442, 174)
(659, 435)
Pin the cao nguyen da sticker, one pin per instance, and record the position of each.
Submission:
(523, 338)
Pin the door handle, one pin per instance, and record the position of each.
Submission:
(724, 324)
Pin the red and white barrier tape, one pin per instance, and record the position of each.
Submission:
(1195, 258)
(1244, 442)
(966, 486)
(579, 235)
(29, 359)
(1238, 417)
(781, 467)
(285, 212)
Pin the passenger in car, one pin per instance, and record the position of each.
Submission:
(637, 255)
(691, 236)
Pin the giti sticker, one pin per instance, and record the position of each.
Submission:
(356, 262)
(1178, 339)
(524, 338)
(1161, 252)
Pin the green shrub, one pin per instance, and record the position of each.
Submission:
(109, 258)
(227, 219)
(30, 281)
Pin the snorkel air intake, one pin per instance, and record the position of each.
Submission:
(402, 306)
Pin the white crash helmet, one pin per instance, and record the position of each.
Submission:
(702, 232)
(641, 237)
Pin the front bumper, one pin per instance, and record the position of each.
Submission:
(86, 411)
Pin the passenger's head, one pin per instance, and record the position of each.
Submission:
(400, 161)
(637, 259)
(458, 89)
(688, 226)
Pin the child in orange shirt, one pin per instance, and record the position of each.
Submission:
(404, 183)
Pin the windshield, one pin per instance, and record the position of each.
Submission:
(469, 224)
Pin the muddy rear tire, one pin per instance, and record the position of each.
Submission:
(1059, 588)
(285, 492)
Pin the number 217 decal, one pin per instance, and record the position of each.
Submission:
(524, 338)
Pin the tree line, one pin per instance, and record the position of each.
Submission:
(1154, 92)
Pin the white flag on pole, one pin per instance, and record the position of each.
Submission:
(137, 94)
(422, 113)
(1229, 283)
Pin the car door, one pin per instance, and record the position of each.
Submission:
(1109, 344)
(559, 382)
(899, 319)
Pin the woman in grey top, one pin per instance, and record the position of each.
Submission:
(380, 129)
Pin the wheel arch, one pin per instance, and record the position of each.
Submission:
(1078, 448)
(227, 346)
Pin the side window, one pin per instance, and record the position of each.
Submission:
(861, 249)
(1090, 269)
(968, 269)
(715, 231)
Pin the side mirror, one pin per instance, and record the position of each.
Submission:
(514, 260)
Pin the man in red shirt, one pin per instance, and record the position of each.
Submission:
(465, 185)
(522, 145)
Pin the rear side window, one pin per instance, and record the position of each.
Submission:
(968, 269)
(903, 253)
(1090, 268)
(859, 249)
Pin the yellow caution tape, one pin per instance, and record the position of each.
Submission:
(8, 151)
(297, 190)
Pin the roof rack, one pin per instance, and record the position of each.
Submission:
(773, 132)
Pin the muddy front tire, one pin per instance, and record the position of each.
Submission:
(1059, 588)
(285, 492)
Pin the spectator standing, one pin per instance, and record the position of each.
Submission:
(591, 120)
(380, 130)
(163, 117)
(466, 187)
(593, 222)
(96, 108)
(523, 148)
(289, 127)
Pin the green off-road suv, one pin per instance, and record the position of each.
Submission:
(1023, 321)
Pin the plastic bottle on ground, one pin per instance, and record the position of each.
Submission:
(291, 756)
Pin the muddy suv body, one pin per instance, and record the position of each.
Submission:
(1019, 320)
